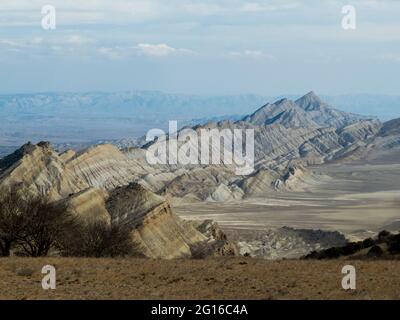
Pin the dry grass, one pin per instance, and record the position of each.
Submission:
(225, 278)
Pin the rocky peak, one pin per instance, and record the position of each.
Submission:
(13, 158)
(284, 112)
(310, 101)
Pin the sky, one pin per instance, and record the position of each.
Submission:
(213, 47)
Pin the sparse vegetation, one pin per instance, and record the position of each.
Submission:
(44, 225)
(99, 239)
(383, 235)
(214, 278)
(369, 242)
(12, 210)
(394, 244)
(35, 227)
(386, 245)
(32, 226)
(375, 251)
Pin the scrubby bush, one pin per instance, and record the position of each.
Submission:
(44, 226)
(351, 248)
(33, 226)
(375, 251)
(383, 235)
(369, 242)
(332, 253)
(12, 209)
(394, 244)
(99, 239)
(30, 225)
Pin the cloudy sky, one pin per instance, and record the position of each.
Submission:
(204, 47)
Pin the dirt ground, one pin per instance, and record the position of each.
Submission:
(222, 278)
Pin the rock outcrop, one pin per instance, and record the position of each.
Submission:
(157, 231)
(217, 243)
(39, 170)
(97, 185)
(382, 146)
(89, 205)
(289, 243)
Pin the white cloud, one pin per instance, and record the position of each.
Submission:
(252, 54)
(159, 50)
(142, 49)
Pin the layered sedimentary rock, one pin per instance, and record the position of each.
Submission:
(325, 115)
(96, 187)
(287, 134)
(288, 243)
(157, 230)
(381, 147)
(39, 170)
(89, 205)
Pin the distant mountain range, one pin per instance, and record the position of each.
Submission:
(84, 118)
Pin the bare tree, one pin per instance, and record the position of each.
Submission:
(12, 210)
(32, 225)
(44, 226)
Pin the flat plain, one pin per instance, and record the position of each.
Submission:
(357, 200)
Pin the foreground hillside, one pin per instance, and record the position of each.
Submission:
(223, 278)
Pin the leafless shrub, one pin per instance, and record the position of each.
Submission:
(99, 239)
(45, 225)
(12, 210)
(32, 225)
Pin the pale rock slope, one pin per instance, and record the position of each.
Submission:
(101, 166)
(157, 230)
(325, 115)
(284, 112)
(40, 171)
(383, 147)
(89, 205)
(288, 137)
(97, 185)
